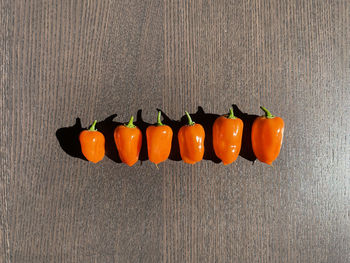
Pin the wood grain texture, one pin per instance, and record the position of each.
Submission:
(62, 60)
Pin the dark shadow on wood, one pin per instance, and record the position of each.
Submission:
(68, 138)
(142, 126)
(206, 120)
(248, 119)
(107, 127)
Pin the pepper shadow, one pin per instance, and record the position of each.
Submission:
(68, 138)
(142, 125)
(248, 119)
(175, 126)
(206, 120)
(107, 127)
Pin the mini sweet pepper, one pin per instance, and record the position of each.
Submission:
(191, 141)
(267, 136)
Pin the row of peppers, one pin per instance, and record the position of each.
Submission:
(266, 137)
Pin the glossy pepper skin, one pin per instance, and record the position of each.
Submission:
(92, 144)
(128, 139)
(191, 141)
(159, 138)
(267, 136)
(227, 137)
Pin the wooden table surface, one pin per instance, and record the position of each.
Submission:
(66, 63)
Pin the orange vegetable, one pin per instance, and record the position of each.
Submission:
(191, 141)
(267, 136)
(128, 139)
(227, 137)
(159, 139)
(92, 144)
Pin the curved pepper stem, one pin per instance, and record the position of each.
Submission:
(130, 123)
(92, 127)
(267, 113)
(159, 122)
(231, 115)
(190, 122)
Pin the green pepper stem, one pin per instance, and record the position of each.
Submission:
(231, 115)
(131, 123)
(159, 122)
(267, 113)
(190, 122)
(92, 127)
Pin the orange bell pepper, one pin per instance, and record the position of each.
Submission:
(92, 144)
(191, 141)
(159, 138)
(267, 136)
(128, 139)
(227, 137)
